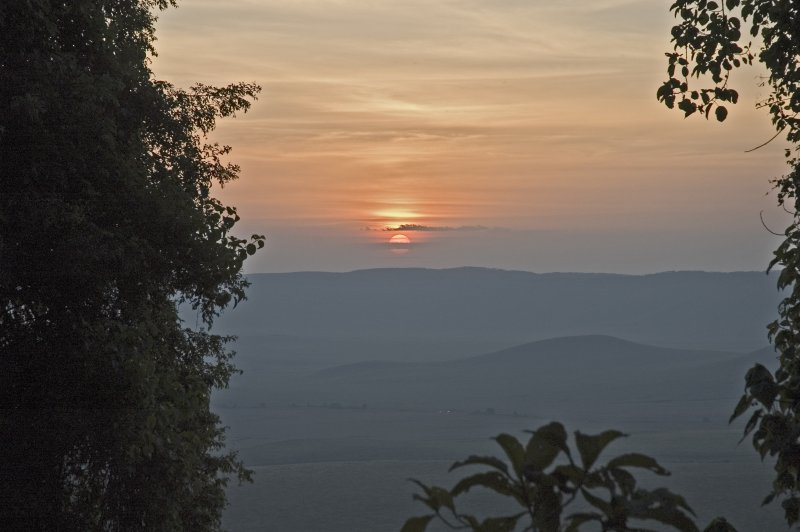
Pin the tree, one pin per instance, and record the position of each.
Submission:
(107, 223)
(710, 40)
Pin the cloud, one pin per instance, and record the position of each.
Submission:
(419, 227)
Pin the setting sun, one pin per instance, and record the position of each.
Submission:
(399, 240)
(399, 244)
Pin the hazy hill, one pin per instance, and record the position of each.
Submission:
(561, 370)
(588, 374)
(398, 313)
(405, 371)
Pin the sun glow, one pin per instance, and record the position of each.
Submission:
(399, 244)
(397, 214)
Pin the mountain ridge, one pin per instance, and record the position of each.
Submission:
(702, 310)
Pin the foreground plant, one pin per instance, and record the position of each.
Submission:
(544, 479)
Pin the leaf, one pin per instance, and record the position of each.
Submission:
(568, 473)
(499, 524)
(435, 497)
(514, 451)
(721, 113)
(761, 385)
(768, 499)
(590, 447)
(687, 106)
(624, 480)
(672, 517)
(791, 508)
(491, 480)
(577, 519)
(638, 460)
(417, 524)
(490, 461)
(741, 407)
(757, 374)
(544, 446)
(441, 497)
(597, 502)
(719, 524)
(663, 506)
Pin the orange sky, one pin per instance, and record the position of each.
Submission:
(523, 134)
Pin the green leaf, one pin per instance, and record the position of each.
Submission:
(577, 519)
(491, 480)
(757, 374)
(514, 451)
(741, 407)
(590, 447)
(791, 508)
(669, 516)
(769, 498)
(490, 461)
(638, 460)
(417, 524)
(719, 524)
(499, 524)
(597, 502)
(761, 385)
(663, 506)
(435, 497)
(442, 498)
(544, 446)
(568, 474)
(623, 479)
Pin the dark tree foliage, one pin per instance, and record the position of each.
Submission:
(107, 223)
(545, 477)
(711, 39)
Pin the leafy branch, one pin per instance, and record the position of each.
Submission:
(543, 479)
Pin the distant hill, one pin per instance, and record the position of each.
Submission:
(585, 374)
(386, 308)
(580, 368)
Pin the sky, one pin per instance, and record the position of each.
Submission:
(514, 134)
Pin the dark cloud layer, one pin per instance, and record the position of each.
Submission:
(418, 227)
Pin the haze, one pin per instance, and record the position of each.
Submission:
(409, 140)
(523, 135)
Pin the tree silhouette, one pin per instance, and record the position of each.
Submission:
(107, 223)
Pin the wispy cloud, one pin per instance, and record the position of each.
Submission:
(436, 228)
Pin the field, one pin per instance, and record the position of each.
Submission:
(340, 478)
(338, 405)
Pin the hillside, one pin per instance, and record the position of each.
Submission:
(375, 310)
(593, 373)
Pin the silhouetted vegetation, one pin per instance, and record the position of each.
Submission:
(107, 222)
(544, 479)
(711, 39)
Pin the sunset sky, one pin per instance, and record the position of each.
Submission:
(516, 134)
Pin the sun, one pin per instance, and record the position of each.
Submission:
(399, 244)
